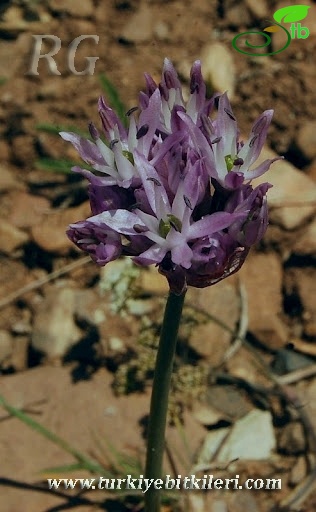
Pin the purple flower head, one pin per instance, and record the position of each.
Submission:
(174, 189)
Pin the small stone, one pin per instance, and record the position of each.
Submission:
(252, 437)
(290, 186)
(258, 9)
(306, 243)
(218, 68)
(311, 171)
(54, 329)
(23, 150)
(305, 284)
(236, 13)
(27, 210)
(51, 236)
(243, 501)
(211, 340)
(76, 9)
(11, 237)
(5, 153)
(8, 180)
(152, 282)
(19, 358)
(6, 348)
(292, 439)
(299, 471)
(306, 139)
(161, 30)
(116, 345)
(262, 278)
(139, 28)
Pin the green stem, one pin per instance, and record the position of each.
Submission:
(159, 397)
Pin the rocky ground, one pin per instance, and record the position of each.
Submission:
(77, 344)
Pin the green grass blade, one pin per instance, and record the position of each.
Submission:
(55, 129)
(86, 463)
(54, 165)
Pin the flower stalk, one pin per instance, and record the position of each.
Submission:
(160, 395)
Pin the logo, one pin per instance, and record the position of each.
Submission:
(291, 14)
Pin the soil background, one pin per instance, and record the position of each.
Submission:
(78, 358)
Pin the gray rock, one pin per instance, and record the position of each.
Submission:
(306, 139)
(262, 278)
(139, 28)
(218, 68)
(292, 439)
(11, 237)
(252, 437)
(54, 329)
(290, 187)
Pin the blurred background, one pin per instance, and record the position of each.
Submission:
(78, 343)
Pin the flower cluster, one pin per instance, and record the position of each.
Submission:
(174, 189)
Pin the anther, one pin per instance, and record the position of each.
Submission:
(142, 131)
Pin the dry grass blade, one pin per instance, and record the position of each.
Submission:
(40, 282)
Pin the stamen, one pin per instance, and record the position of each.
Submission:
(155, 181)
(253, 140)
(131, 110)
(238, 161)
(134, 206)
(187, 202)
(113, 142)
(106, 122)
(216, 140)
(175, 222)
(174, 226)
(142, 131)
(230, 114)
(139, 228)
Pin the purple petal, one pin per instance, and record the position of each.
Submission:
(211, 224)
(86, 149)
(121, 221)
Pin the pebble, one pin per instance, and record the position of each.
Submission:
(299, 471)
(6, 348)
(262, 278)
(161, 30)
(27, 210)
(290, 187)
(7, 179)
(139, 28)
(218, 68)
(152, 282)
(258, 9)
(11, 237)
(305, 283)
(306, 139)
(252, 437)
(50, 234)
(292, 439)
(23, 150)
(204, 338)
(306, 243)
(54, 330)
(76, 9)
